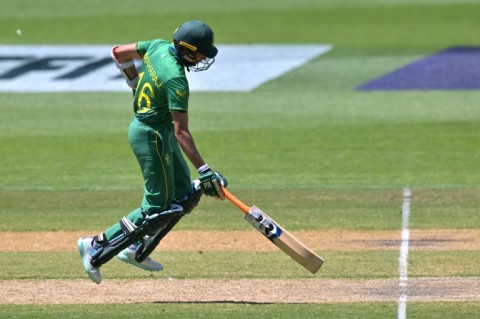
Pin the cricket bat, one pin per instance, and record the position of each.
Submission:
(278, 235)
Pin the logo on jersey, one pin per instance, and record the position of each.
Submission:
(167, 159)
(181, 93)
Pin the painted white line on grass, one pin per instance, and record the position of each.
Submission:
(403, 260)
(89, 68)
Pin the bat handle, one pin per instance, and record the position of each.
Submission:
(243, 207)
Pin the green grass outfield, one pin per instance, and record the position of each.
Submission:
(169, 310)
(306, 148)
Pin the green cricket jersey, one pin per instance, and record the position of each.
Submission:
(162, 85)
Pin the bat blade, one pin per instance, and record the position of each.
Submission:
(284, 240)
(299, 252)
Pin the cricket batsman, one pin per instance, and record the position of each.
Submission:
(157, 134)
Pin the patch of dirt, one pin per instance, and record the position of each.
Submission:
(262, 291)
(328, 240)
(258, 291)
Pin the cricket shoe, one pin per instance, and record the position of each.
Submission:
(128, 255)
(86, 252)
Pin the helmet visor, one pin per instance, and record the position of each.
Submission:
(210, 52)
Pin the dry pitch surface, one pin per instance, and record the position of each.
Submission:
(245, 290)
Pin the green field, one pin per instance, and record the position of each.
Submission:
(307, 148)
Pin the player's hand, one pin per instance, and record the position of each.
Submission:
(211, 183)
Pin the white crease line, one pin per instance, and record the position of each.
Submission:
(403, 260)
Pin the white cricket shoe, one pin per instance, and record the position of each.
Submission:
(86, 252)
(128, 255)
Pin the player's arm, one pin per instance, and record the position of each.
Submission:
(124, 56)
(185, 138)
(210, 181)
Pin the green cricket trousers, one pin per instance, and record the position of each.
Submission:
(165, 172)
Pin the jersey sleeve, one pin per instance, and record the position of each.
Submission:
(178, 93)
(142, 47)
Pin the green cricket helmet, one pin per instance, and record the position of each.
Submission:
(195, 36)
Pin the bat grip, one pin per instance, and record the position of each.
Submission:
(243, 207)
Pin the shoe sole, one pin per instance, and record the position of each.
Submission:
(128, 260)
(81, 250)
